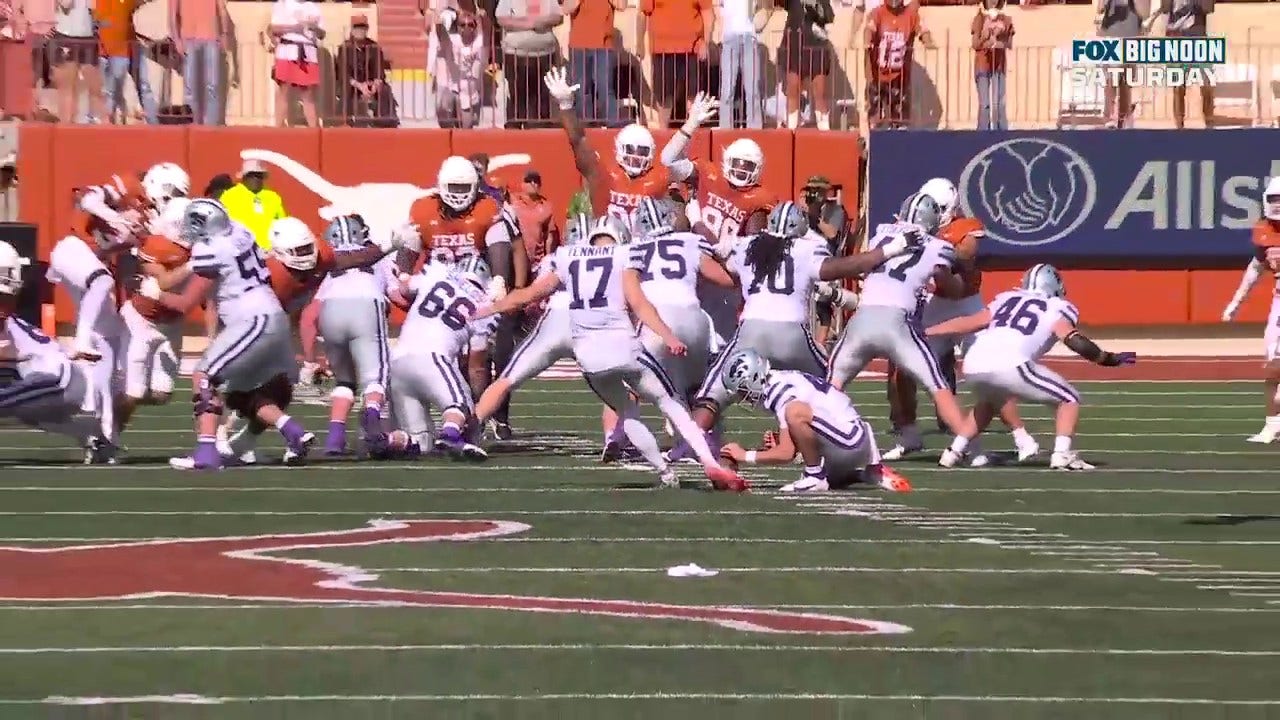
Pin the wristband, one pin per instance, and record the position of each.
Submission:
(750, 457)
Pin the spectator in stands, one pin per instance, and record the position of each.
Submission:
(456, 57)
(892, 30)
(34, 22)
(9, 188)
(529, 50)
(121, 58)
(1187, 18)
(1118, 18)
(251, 204)
(296, 35)
(805, 55)
(201, 31)
(217, 185)
(74, 56)
(364, 99)
(741, 23)
(593, 58)
(675, 35)
(992, 35)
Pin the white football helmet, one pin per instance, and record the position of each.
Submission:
(11, 264)
(612, 228)
(742, 162)
(634, 149)
(921, 210)
(169, 223)
(746, 374)
(578, 229)
(293, 244)
(458, 183)
(164, 182)
(1271, 199)
(1044, 279)
(943, 192)
(652, 217)
(204, 219)
(474, 270)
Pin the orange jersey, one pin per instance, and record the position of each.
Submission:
(122, 193)
(162, 251)
(723, 208)
(1266, 233)
(955, 233)
(889, 41)
(449, 236)
(292, 286)
(625, 192)
(535, 219)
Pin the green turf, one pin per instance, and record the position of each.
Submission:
(1030, 594)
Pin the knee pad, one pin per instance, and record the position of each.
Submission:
(344, 391)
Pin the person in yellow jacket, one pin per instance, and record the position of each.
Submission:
(251, 204)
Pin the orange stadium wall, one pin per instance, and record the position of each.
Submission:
(56, 159)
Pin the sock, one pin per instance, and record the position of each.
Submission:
(873, 450)
(1062, 444)
(338, 428)
(1021, 437)
(688, 430)
(371, 418)
(909, 435)
(959, 444)
(1273, 421)
(793, 120)
(644, 441)
(451, 425)
(290, 429)
(816, 471)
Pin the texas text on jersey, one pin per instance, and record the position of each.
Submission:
(723, 210)
(449, 235)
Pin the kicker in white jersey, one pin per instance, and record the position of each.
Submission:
(901, 282)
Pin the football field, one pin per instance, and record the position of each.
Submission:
(537, 585)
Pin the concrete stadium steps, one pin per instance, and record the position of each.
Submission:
(400, 34)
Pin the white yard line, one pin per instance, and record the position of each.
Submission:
(750, 569)
(592, 647)
(1012, 545)
(662, 696)
(910, 606)
(834, 510)
(363, 468)
(591, 490)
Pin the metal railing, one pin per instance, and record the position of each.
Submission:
(822, 84)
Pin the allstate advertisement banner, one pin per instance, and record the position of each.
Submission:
(1088, 193)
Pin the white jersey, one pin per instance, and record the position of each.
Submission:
(560, 299)
(784, 297)
(37, 352)
(239, 270)
(593, 278)
(828, 404)
(1021, 330)
(74, 266)
(439, 320)
(668, 267)
(903, 281)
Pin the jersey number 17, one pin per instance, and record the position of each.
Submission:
(597, 270)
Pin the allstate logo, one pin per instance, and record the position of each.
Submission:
(1028, 191)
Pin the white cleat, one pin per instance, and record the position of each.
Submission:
(950, 458)
(980, 460)
(899, 451)
(100, 451)
(248, 457)
(1068, 461)
(1265, 437)
(1028, 451)
(806, 485)
(297, 455)
(668, 479)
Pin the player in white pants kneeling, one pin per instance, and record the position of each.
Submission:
(1018, 328)
(815, 420)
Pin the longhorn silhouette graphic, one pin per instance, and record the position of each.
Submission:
(384, 205)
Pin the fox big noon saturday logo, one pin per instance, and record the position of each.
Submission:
(1147, 62)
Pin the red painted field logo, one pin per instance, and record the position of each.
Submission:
(242, 568)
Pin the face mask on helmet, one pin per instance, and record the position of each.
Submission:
(11, 265)
(293, 244)
(634, 149)
(203, 220)
(746, 376)
(742, 164)
(1271, 200)
(458, 183)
